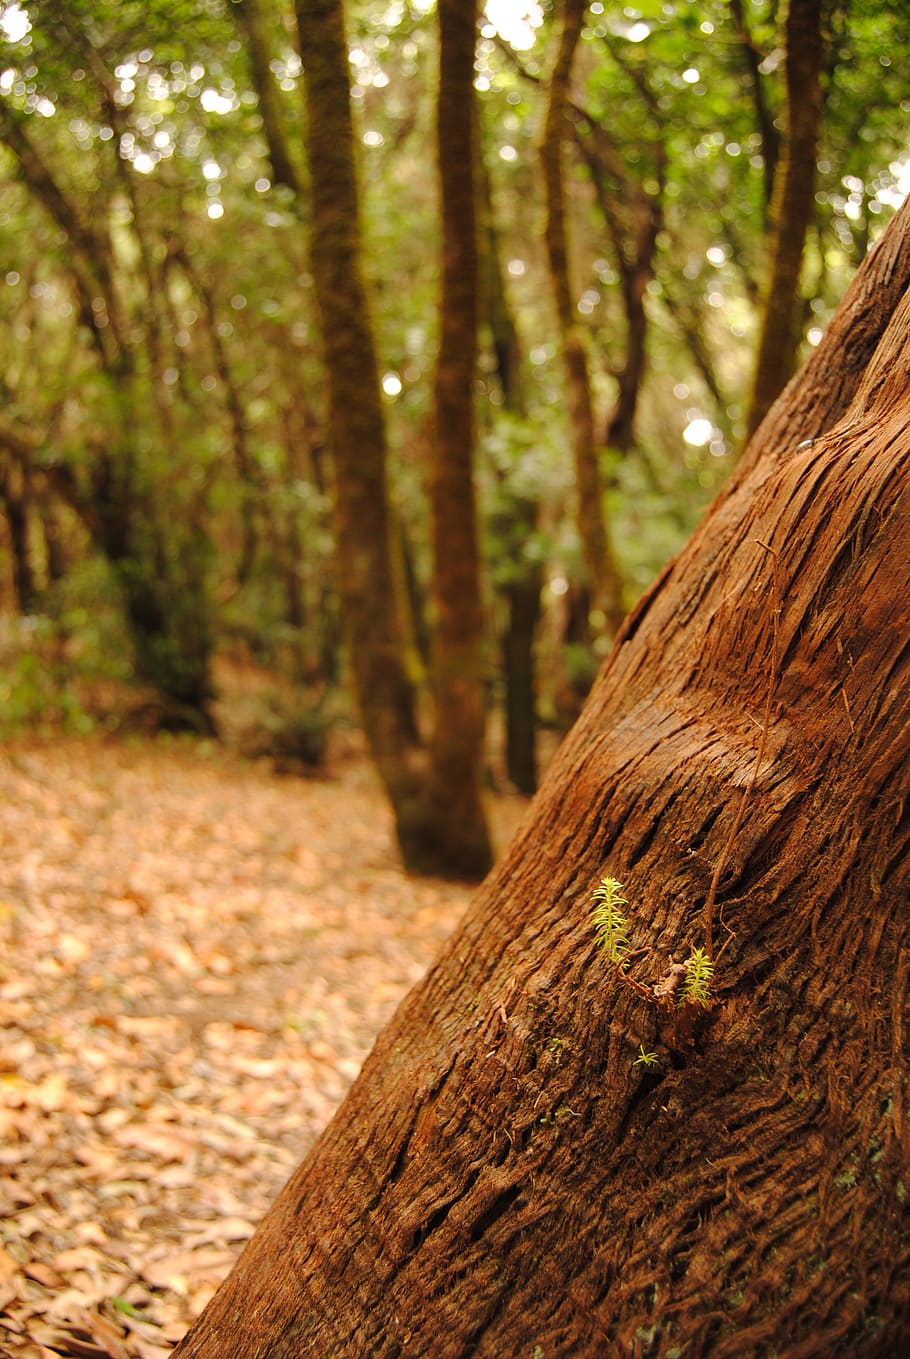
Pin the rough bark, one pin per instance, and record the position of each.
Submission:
(792, 206)
(457, 749)
(606, 585)
(502, 1175)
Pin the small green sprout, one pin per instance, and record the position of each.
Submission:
(683, 990)
(696, 987)
(609, 922)
(127, 1308)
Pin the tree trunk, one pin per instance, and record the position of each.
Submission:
(508, 1176)
(16, 505)
(751, 57)
(512, 529)
(457, 647)
(252, 21)
(603, 573)
(435, 794)
(633, 218)
(791, 207)
(360, 505)
(524, 608)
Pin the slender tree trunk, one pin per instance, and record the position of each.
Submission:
(252, 21)
(752, 57)
(361, 516)
(633, 219)
(458, 633)
(14, 493)
(55, 544)
(435, 795)
(606, 585)
(620, 433)
(512, 530)
(524, 609)
(506, 1176)
(791, 207)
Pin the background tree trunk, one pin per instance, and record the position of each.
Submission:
(503, 1175)
(15, 499)
(513, 526)
(457, 647)
(435, 794)
(603, 573)
(792, 206)
(253, 24)
(369, 599)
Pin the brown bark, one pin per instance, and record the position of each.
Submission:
(596, 548)
(16, 507)
(435, 795)
(457, 648)
(360, 506)
(791, 208)
(512, 528)
(502, 1175)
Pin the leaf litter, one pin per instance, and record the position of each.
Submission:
(195, 957)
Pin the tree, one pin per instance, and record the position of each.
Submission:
(541, 1153)
(516, 569)
(792, 205)
(360, 508)
(457, 751)
(112, 451)
(597, 551)
(435, 795)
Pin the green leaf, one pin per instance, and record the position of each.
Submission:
(611, 926)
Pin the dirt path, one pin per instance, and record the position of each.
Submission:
(195, 957)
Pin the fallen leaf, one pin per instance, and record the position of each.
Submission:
(158, 1140)
(178, 1270)
(43, 1274)
(222, 1229)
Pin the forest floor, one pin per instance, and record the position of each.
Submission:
(195, 957)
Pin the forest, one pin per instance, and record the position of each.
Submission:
(448, 443)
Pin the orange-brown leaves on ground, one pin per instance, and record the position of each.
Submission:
(194, 959)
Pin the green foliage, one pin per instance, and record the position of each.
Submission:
(39, 681)
(57, 666)
(190, 418)
(611, 926)
(127, 1308)
(293, 731)
(697, 983)
(685, 987)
